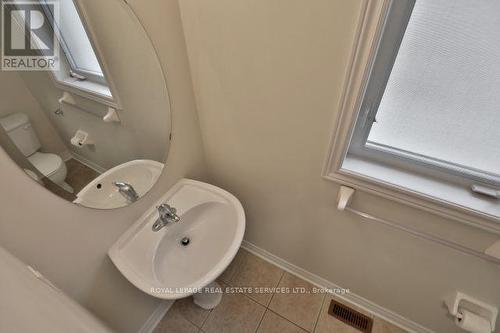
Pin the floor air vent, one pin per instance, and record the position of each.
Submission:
(351, 317)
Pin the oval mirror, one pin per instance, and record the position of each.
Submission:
(84, 106)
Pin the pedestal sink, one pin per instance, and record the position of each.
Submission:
(184, 258)
(101, 193)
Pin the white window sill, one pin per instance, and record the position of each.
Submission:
(447, 199)
(87, 89)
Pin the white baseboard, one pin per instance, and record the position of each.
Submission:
(87, 162)
(155, 317)
(352, 298)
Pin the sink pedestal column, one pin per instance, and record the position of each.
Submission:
(209, 297)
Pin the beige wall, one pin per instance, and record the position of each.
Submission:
(67, 243)
(268, 76)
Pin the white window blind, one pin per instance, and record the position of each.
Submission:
(75, 39)
(442, 99)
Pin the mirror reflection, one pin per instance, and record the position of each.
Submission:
(92, 123)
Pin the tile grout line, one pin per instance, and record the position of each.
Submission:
(231, 283)
(288, 320)
(204, 320)
(200, 328)
(266, 307)
(319, 314)
(275, 312)
(252, 300)
(277, 285)
(261, 319)
(221, 283)
(192, 322)
(352, 299)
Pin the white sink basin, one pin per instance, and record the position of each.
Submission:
(101, 193)
(157, 262)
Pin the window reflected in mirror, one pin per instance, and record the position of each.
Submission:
(93, 125)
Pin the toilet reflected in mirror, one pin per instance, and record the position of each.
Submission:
(46, 165)
(93, 129)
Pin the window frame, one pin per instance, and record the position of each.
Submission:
(390, 39)
(93, 87)
(380, 29)
(99, 78)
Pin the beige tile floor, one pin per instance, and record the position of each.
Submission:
(260, 311)
(79, 175)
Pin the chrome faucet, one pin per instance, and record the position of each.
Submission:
(167, 214)
(127, 191)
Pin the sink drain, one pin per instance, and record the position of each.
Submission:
(185, 241)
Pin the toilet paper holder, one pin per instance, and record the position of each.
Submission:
(459, 300)
(80, 139)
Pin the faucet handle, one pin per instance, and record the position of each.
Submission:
(123, 186)
(168, 213)
(166, 208)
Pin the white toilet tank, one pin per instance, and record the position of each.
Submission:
(20, 131)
